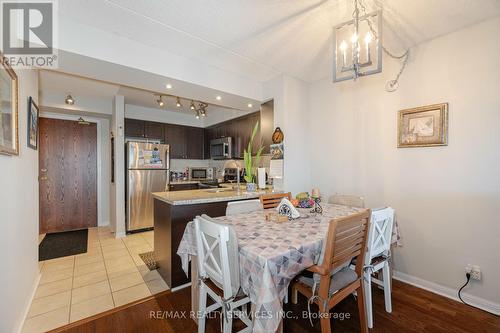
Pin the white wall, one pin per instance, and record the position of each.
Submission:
(290, 114)
(90, 104)
(19, 218)
(446, 198)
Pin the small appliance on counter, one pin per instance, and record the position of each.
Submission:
(201, 173)
(231, 175)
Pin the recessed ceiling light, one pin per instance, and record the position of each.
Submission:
(250, 105)
(69, 100)
(218, 98)
(169, 86)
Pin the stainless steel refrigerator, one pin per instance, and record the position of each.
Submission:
(147, 172)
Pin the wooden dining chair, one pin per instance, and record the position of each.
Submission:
(243, 206)
(272, 200)
(346, 239)
(219, 274)
(347, 200)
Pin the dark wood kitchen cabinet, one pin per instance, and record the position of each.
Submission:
(195, 142)
(154, 130)
(134, 128)
(175, 136)
(185, 142)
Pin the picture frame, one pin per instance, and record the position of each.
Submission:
(424, 126)
(32, 128)
(9, 116)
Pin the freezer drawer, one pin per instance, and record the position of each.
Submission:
(140, 184)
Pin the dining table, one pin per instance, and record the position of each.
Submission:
(271, 254)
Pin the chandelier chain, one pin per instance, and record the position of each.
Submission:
(405, 55)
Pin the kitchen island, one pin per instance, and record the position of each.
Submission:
(173, 211)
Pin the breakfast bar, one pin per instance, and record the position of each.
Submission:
(173, 211)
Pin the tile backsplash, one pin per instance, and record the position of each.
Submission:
(181, 165)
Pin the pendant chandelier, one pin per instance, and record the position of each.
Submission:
(358, 47)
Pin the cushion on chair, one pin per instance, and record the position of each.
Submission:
(339, 280)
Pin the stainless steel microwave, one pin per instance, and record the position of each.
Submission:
(220, 149)
(201, 173)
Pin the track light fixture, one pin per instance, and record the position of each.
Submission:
(160, 101)
(197, 114)
(69, 100)
(178, 102)
(192, 107)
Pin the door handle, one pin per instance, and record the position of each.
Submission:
(43, 178)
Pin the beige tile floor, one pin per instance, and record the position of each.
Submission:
(110, 274)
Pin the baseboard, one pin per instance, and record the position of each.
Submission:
(27, 305)
(451, 293)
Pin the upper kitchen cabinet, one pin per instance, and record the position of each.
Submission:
(175, 136)
(134, 128)
(195, 142)
(153, 130)
(185, 142)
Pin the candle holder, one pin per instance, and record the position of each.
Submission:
(317, 209)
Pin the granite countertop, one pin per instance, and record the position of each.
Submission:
(191, 197)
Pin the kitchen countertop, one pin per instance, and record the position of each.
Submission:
(180, 182)
(190, 197)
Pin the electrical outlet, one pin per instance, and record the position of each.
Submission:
(474, 271)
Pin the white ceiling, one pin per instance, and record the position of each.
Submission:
(263, 38)
(52, 82)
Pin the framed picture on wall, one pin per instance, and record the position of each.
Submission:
(32, 128)
(9, 136)
(425, 126)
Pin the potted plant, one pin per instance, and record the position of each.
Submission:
(251, 162)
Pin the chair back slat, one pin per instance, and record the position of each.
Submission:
(217, 254)
(380, 233)
(273, 200)
(346, 239)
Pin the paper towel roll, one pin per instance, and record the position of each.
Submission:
(261, 176)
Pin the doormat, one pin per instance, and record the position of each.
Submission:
(149, 260)
(62, 244)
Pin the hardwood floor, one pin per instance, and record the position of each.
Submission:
(414, 310)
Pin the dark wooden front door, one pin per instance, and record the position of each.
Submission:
(67, 175)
